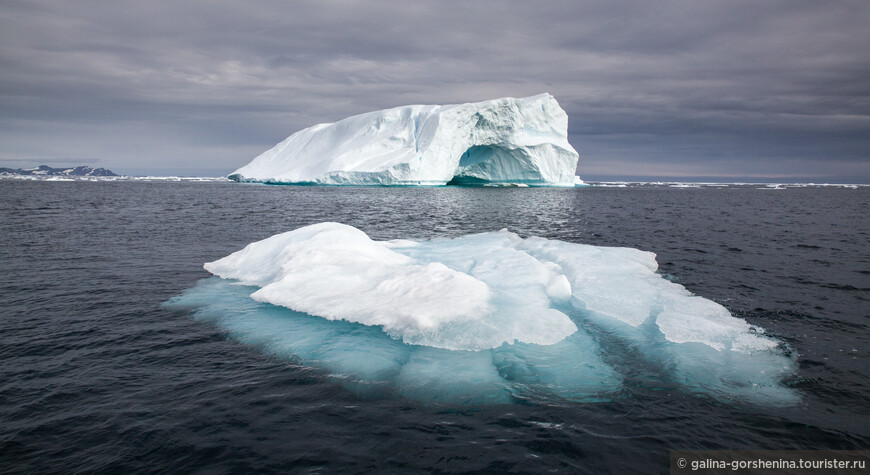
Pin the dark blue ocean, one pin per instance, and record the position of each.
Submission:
(98, 374)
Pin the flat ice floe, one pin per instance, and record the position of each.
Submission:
(486, 317)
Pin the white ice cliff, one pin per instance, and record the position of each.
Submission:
(501, 141)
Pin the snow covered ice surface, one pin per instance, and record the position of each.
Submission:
(483, 318)
(502, 141)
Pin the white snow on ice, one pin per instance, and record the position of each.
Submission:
(337, 272)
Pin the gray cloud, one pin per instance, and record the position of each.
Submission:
(657, 88)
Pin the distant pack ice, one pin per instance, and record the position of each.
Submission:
(497, 142)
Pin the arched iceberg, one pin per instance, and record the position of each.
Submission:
(501, 141)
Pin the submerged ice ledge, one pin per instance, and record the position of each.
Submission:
(504, 141)
(485, 317)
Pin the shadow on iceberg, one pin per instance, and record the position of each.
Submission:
(485, 318)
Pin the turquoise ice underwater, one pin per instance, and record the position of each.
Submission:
(486, 318)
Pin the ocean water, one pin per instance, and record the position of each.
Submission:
(98, 374)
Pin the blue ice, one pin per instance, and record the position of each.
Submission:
(484, 318)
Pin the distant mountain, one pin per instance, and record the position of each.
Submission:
(45, 170)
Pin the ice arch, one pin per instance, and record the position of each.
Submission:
(496, 164)
(508, 140)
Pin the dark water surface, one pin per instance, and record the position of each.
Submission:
(95, 374)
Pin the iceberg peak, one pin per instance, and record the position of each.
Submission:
(499, 141)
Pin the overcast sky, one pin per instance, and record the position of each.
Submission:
(774, 90)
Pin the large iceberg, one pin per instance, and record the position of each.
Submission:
(488, 317)
(501, 141)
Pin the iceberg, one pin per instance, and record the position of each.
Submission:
(337, 272)
(485, 318)
(504, 141)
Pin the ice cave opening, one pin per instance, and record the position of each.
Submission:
(483, 164)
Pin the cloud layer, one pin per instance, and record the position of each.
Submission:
(730, 89)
